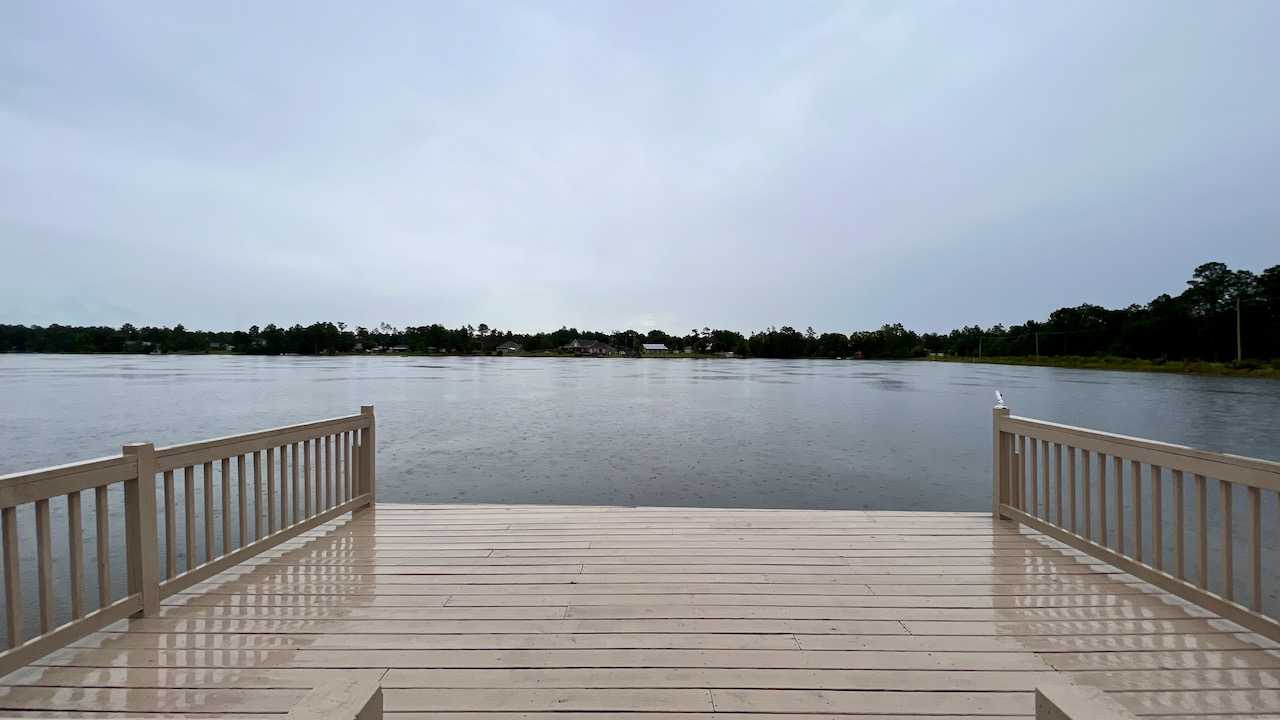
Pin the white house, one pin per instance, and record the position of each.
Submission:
(654, 347)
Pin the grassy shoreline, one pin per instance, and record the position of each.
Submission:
(1254, 369)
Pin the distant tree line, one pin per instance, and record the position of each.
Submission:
(1199, 323)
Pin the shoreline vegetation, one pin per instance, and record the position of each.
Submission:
(1247, 368)
(1223, 322)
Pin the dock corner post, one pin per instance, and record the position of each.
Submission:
(140, 532)
(1000, 485)
(368, 455)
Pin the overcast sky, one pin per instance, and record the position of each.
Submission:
(640, 164)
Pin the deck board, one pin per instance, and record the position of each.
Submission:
(577, 613)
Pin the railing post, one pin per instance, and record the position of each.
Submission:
(368, 454)
(999, 458)
(140, 533)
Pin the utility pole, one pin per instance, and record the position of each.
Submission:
(1037, 346)
(1239, 342)
(979, 346)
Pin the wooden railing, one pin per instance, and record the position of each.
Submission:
(275, 484)
(1135, 528)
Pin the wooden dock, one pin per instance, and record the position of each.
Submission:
(484, 612)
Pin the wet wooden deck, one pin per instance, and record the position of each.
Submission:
(501, 612)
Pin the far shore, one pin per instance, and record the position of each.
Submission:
(1248, 368)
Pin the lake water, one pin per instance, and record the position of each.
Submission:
(740, 433)
(720, 433)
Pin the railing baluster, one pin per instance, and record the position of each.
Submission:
(1157, 516)
(1228, 576)
(296, 499)
(318, 450)
(1044, 470)
(242, 500)
(271, 490)
(1117, 464)
(355, 463)
(257, 495)
(351, 464)
(284, 487)
(1179, 532)
(329, 457)
(306, 478)
(1135, 485)
(1088, 493)
(339, 458)
(12, 573)
(1057, 483)
(1035, 477)
(1202, 529)
(1011, 453)
(103, 521)
(208, 511)
(226, 505)
(1255, 546)
(312, 484)
(44, 565)
(170, 528)
(1071, 473)
(317, 474)
(75, 552)
(1019, 472)
(1102, 499)
(189, 513)
(318, 444)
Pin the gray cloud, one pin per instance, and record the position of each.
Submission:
(628, 164)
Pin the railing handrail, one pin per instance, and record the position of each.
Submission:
(1241, 469)
(332, 468)
(25, 487)
(172, 457)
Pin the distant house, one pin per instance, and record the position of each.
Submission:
(510, 347)
(654, 347)
(584, 346)
(398, 348)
